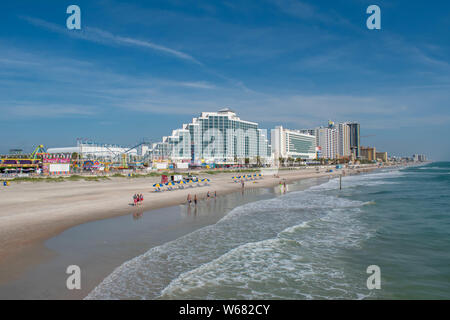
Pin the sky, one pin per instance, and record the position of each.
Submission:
(139, 69)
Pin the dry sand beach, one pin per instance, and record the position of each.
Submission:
(32, 212)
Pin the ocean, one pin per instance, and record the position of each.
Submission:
(309, 244)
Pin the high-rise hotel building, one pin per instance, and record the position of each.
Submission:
(327, 142)
(292, 144)
(219, 137)
(355, 144)
(343, 139)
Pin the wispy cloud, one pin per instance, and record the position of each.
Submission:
(306, 11)
(45, 110)
(60, 94)
(104, 37)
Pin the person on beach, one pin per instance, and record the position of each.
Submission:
(208, 195)
(135, 200)
(215, 194)
(141, 199)
(195, 199)
(189, 199)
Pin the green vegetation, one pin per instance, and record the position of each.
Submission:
(364, 161)
(146, 175)
(212, 172)
(118, 175)
(59, 179)
(76, 177)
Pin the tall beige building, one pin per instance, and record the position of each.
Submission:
(343, 140)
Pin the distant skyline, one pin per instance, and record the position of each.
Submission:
(139, 69)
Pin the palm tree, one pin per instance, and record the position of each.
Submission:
(258, 161)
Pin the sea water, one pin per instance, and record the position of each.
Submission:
(310, 244)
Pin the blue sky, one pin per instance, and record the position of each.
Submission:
(139, 69)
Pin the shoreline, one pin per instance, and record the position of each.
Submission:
(25, 226)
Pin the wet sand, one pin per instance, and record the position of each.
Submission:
(99, 247)
(47, 209)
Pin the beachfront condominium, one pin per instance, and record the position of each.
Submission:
(215, 137)
(327, 142)
(419, 158)
(368, 153)
(343, 139)
(355, 139)
(335, 140)
(292, 144)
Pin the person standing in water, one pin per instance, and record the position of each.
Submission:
(195, 199)
(189, 199)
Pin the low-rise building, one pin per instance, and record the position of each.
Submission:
(382, 156)
(368, 153)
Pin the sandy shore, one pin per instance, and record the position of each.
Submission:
(33, 212)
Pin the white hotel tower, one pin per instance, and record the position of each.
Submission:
(216, 137)
(292, 144)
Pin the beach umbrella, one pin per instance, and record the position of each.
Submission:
(157, 185)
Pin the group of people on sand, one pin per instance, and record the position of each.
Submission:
(208, 195)
(138, 198)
